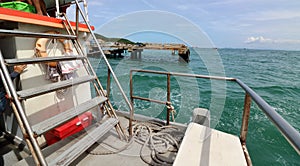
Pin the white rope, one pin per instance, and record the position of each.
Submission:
(155, 136)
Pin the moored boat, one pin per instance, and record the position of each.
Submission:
(56, 120)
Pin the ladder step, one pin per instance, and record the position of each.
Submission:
(68, 156)
(32, 92)
(63, 117)
(4, 32)
(42, 59)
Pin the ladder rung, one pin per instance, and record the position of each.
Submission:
(32, 92)
(63, 117)
(68, 156)
(4, 32)
(41, 59)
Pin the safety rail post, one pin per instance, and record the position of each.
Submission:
(246, 115)
(168, 87)
(108, 83)
(168, 103)
(288, 131)
(244, 127)
(169, 107)
(132, 103)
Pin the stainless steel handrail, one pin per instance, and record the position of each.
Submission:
(288, 131)
(21, 116)
(108, 65)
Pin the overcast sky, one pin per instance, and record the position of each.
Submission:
(263, 24)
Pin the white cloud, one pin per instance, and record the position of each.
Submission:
(261, 39)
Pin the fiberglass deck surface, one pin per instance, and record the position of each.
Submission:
(205, 146)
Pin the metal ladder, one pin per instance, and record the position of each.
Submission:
(31, 133)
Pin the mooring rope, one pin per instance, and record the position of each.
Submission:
(160, 139)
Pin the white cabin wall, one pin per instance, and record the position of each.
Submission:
(45, 106)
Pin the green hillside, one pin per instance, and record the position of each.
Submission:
(120, 40)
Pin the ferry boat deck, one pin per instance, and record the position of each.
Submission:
(212, 147)
(114, 137)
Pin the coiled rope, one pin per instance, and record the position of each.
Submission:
(162, 140)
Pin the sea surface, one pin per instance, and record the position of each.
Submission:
(273, 74)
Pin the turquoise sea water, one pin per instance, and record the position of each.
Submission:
(274, 75)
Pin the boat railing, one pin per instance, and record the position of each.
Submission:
(289, 132)
(111, 72)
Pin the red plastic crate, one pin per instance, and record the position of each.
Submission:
(73, 126)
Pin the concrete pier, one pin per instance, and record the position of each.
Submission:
(136, 54)
(114, 49)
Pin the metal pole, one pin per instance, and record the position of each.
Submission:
(169, 109)
(289, 132)
(57, 8)
(77, 21)
(132, 111)
(18, 119)
(168, 98)
(244, 128)
(186, 75)
(247, 156)
(21, 112)
(108, 65)
(169, 88)
(86, 10)
(105, 59)
(245, 121)
(150, 100)
(108, 84)
(79, 48)
(131, 86)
